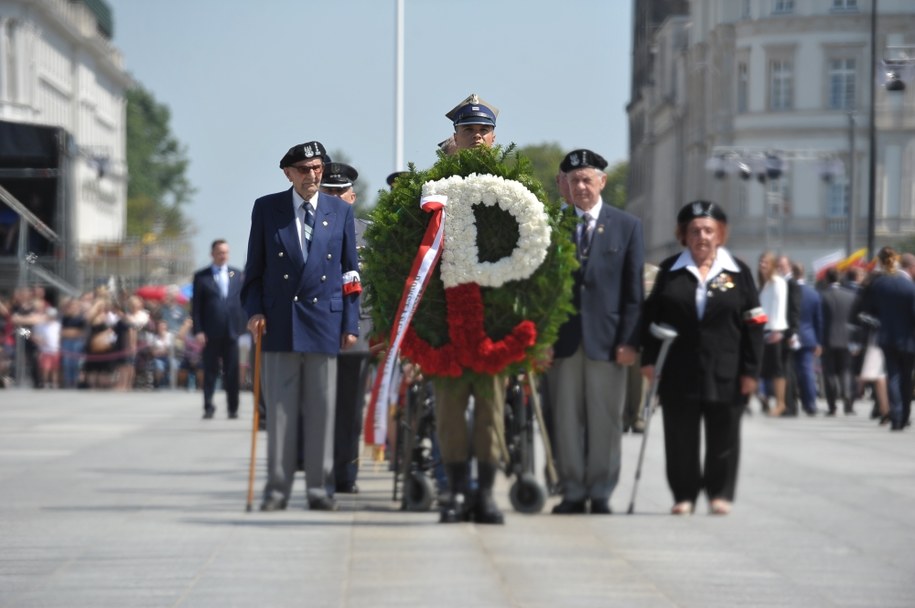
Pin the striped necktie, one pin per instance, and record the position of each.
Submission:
(307, 228)
(584, 237)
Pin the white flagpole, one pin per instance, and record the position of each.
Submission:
(398, 93)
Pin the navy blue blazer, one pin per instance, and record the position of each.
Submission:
(302, 301)
(213, 315)
(810, 322)
(608, 290)
(891, 298)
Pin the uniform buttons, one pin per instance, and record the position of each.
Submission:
(330, 256)
(295, 299)
(281, 254)
(286, 276)
(314, 300)
(323, 277)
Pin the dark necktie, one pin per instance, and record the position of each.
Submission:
(307, 228)
(584, 238)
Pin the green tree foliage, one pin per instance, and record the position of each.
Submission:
(615, 192)
(157, 162)
(545, 159)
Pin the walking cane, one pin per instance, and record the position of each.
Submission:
(259, 332)
(666, 334)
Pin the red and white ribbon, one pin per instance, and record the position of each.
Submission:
(427, 257)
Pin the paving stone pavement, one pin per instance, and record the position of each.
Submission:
(130, 499)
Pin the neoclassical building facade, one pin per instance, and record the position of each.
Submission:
(764, 106)
(58, 68)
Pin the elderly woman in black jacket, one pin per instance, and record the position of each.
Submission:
(710, 299)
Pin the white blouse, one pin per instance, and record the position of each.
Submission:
(774, 300)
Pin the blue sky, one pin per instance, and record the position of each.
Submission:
(247, 80)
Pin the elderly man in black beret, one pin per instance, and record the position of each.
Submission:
(587, 380)
(301, 259)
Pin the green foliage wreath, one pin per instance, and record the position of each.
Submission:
(398, 225)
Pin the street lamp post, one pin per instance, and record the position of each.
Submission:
(872, 140)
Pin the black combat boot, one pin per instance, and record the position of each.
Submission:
(485, 510)
(452, 511)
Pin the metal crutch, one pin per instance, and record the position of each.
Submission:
(666, 334)
(257, 392)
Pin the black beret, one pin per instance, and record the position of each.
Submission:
(394, 176)
(338, 175)
(691, 211)
(302, 152)
(579, 159)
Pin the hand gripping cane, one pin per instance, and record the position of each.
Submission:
(257, 396)
(666, 334)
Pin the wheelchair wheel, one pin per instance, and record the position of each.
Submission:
(418, 493)
(527, 495)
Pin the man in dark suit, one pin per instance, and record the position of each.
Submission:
(838, 303)
(587, 380)
(891, 299)
(810, 337)
(301, 246)
(218, 322)
(353, 368)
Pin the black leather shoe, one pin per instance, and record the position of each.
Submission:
(208, 414)
(600, 507)
(569, 507)
(325, 503)
(347, 488)
(273, 504)
(233, 415)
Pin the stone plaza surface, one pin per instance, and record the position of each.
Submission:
(130, 499)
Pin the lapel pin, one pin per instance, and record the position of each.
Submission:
(324, 223)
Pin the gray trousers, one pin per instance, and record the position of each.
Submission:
(299, 389)
(587, 398)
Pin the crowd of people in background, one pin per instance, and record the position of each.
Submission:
(99, 340)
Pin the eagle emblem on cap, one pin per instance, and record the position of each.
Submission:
(307, 151)
(574, 160)
(697, 209)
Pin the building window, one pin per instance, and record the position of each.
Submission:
(842, 84)
(781, 90)
(745, 12)
(743, 87)
(783, 6)
(844, 5)
(837, 198)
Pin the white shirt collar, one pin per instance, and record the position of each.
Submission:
(297, 200)
(594, 212)
(723, 261)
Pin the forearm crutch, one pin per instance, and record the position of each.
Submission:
(666, 334)
(259, 331)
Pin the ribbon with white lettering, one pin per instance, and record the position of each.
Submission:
(427, 256)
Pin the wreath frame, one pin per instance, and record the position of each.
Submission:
(398, 225)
